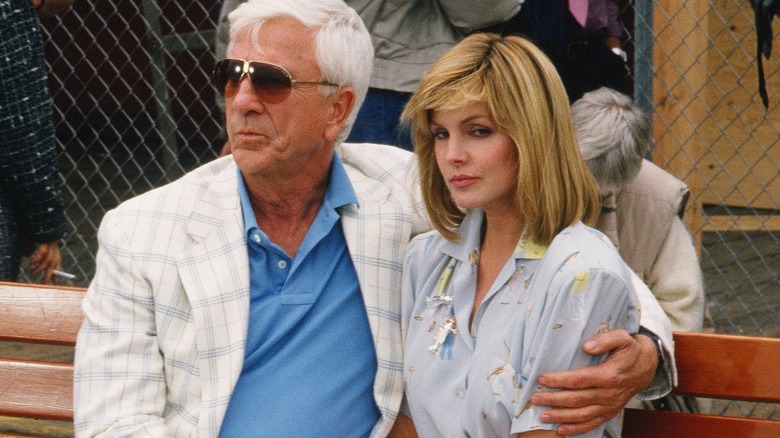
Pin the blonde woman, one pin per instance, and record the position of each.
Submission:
(512, 282)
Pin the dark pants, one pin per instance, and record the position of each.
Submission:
(379, 119)
(587, 63)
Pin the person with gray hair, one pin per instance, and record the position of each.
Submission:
(642, 212)
(643, 206)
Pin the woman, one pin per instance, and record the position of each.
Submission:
(512, 282)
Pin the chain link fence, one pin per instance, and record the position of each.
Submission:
(134, 109)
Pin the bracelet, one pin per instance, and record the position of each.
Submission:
(40, 5)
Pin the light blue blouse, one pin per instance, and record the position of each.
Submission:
(545, 303)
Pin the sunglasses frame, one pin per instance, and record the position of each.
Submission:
(247, 70)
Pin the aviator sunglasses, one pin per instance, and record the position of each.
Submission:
(270, 82)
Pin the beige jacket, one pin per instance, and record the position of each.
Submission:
(645, 222)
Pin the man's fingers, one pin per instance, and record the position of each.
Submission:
(574, 421)
(607, 341)
(601, 376)
(590, 415)
(46, 258)
(583, 398)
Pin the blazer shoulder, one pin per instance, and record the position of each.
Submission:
(216, 178)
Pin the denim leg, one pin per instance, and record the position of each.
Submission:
(378, 119)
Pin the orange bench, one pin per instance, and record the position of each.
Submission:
(33, 388)
(711, 366)
(721, 367)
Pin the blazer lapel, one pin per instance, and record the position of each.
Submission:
(377, 234)
(214, 270)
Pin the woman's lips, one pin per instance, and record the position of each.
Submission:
(462, 181)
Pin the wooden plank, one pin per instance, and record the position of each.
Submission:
(742, 162)
(639, 423)
(729, 367)
(742, 223)
(36, 389)
(680, 79)
(716, 366)
(710, 127)
(37, 313)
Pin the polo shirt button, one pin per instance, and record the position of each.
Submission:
(461, 394)
(282, 264)
(256, 238)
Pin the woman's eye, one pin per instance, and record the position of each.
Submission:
(481, 132)
(440, 134)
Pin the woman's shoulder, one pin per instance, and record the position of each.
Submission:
(425, 243)
(585, 247)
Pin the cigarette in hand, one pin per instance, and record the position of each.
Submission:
(63, 274)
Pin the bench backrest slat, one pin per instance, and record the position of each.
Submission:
(36, 313)
(640, 423)
(36, 390)
(716, 366)
(729, 367)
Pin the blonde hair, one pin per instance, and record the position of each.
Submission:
(527, 101)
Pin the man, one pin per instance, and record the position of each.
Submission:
(259, 294)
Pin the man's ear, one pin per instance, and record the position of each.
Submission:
(341, 104)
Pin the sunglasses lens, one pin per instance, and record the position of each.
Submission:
(227, 74)
(269, 81)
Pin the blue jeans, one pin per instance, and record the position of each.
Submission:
(378, 120)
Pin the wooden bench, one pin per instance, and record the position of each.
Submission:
(711, 366)
(36, 314)
(719, 367)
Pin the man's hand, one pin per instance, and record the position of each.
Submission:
(592, 395)
(45, 260)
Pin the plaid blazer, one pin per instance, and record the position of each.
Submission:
(162, 343)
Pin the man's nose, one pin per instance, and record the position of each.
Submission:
(245, 96)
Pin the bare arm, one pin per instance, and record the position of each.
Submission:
(595, 394)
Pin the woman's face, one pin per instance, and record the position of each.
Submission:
(479, 164)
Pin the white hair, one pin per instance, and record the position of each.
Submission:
(342, 45)
(613, 135)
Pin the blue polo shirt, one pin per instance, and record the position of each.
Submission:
(310, 362)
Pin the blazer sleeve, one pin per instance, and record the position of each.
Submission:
(119, 383)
